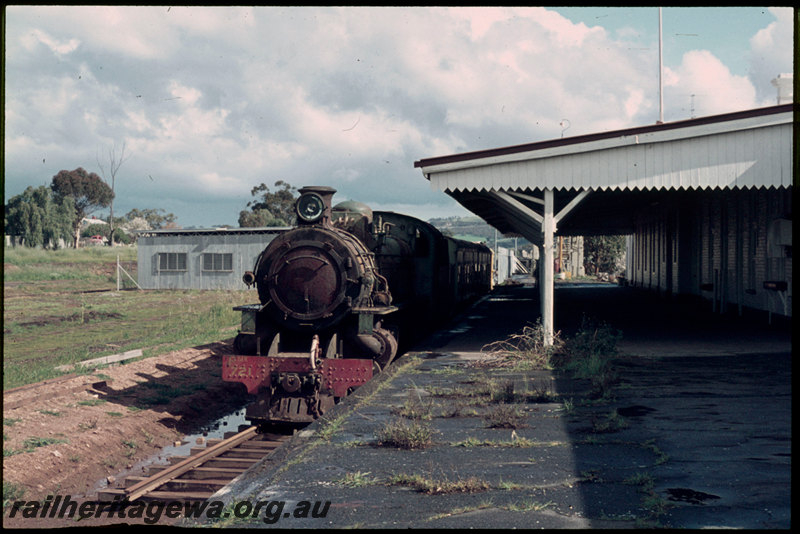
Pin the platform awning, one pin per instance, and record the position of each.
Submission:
(622, 168)
(590, 184)
(742, 149)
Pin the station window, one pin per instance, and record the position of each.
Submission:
(171, 261)
(217, 262)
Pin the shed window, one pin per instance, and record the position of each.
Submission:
(217, 262)
(171, 261)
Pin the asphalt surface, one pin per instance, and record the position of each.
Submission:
(695, 432)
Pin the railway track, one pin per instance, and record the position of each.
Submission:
(204, 472)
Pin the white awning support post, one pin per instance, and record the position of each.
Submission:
(548, 230)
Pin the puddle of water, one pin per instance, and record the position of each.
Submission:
(216, 429)
(459, 330)
(635, 411)
(689, 495)
(431, 355)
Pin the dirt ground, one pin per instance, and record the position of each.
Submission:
(101, 424)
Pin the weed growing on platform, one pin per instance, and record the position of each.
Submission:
(463, 510)
(501, 391)
(539, 392)
(643, 480)
(529, 506)
(358, 479)
(415, 407)
(525, 350)
(505, 416)
(404, 434)
(440, 487)
(612, 422)
(588, 354)
(458, 408)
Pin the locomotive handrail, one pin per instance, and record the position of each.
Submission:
(375, 310)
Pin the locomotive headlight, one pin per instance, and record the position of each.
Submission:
(310, 207)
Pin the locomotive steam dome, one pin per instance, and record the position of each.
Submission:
(311, 277)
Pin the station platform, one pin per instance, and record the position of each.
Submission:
(694, 433)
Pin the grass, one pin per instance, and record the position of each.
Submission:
(54, 314)
(586, 355)
(357, 480)
(404, 434)
(465, 509)
(525, 350)
(415, 408)
(514, 442)
(505, 416)
(612, 422)
(11, 492)
(34, 442)
(92, 402)
(432, 486)
(31, 444)
(132, 446)
(529, 506)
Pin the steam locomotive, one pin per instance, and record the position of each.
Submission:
(338, 295)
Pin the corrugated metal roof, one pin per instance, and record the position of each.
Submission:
(744, 149)
(212, 231)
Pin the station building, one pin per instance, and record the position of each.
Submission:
(706, 202)
(199, 259)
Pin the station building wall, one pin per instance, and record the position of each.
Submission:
(719, 245)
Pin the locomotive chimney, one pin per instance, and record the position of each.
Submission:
(314, 205)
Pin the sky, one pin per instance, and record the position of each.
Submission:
(212, 101)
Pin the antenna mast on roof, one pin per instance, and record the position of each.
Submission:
(660, 73)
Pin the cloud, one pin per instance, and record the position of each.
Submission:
(703, 85)
(212, 101)
(771, 53)
(187, 95)
(59, 48)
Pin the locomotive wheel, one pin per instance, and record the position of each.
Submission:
(389, 347)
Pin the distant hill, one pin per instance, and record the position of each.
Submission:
(476, 230)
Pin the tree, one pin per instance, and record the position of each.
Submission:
(258, 218)
(114, 164)
(120, 236)
(88, 191)
(154, 217)
(39, 218)
(279, 205)
(601, 253)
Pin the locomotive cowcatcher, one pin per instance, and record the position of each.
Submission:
(338, 294)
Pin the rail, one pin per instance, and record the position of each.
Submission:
(159, 479)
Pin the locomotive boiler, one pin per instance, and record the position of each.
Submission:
(338, 295)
